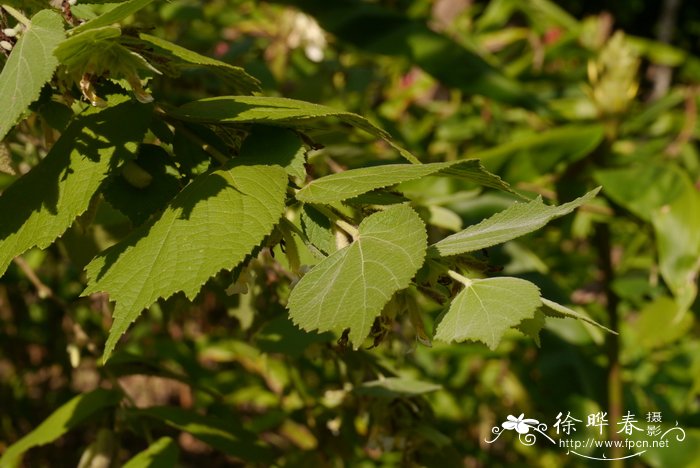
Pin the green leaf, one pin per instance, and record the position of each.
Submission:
(140, 202)
(162, 453)
(659, 323)
(553, 309)
(515, 221)
(29, 67)
(645, 188)
(533, 326)
(213, 224)
(529, 156)
(273, 111)
(486, 308)
(42, 204)
(274, 145)
(393, 387)
(677, 229)
(61, 421)
(115, 15)
(318, 229)
(349, 288)
(185, 58)
(348, 184)
(226, 435)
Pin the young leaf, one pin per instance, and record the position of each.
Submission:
(30, 65)
(211, 225)
(160, 454)
(115, 15)
(486, 308)
(515, 221)
(42, 204)
(349, 288)
(348, 184)
(273, 111)
(185, 58)
(61, 421)
(225, 435)
(554, 309)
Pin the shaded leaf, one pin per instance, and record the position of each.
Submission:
(162, 453)
(61, 421)
(349, 288)
(115, 15)
(30, 66)
(348, 184)
(274, 145)
(227, 435)
(515, 221)
(486, 308)
(42, 204)
(240, 80)
(273, 111)
(138, 203)
(213, 224)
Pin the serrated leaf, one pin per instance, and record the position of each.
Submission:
(212, 225)
(515, 221)
(30, 66)
(242, 81)
(62, 420)
(348, 184)
(273, 111)
(349, 288)
(77, 49)
(42, 204)
(554, 309)
(274, 145)
(393, 387)
(160, 454)
(486, 308)
(227, 435)
(318, 229)
(115, 15)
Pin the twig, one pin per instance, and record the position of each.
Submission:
(43, 290)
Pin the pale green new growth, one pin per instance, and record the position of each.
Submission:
(349, 288)
(61, 421)
(348, 184)
(273, 111)
(485, 309)
(210, 226)
(42, 204)
(30, 65)
(515, 221)
(116, 14)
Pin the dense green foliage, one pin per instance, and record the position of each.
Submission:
(307, 232)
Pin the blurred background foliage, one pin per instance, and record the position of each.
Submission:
(556, 98)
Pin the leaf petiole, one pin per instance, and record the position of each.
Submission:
(17, 15)
(462, 279)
